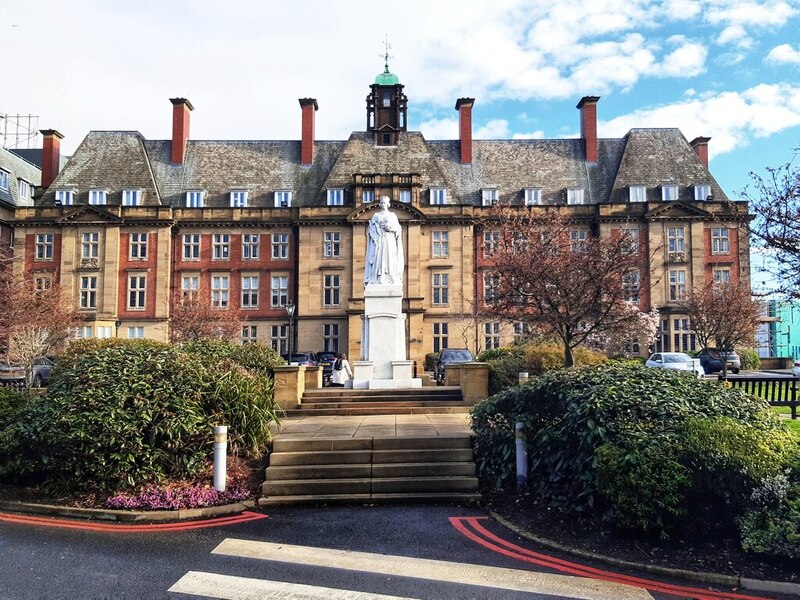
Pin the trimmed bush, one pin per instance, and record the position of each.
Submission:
(774, 529)
(430, 361)
(11, 402)
(749, 359)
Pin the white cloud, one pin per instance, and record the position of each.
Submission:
(533, 135)
(686, 61)
(784, 54)
(440, 129)
(492, 130)
(735, 35)
(749, 12)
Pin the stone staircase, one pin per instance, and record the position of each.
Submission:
(341, 401)
(371, 470)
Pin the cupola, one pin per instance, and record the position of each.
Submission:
(386, 108)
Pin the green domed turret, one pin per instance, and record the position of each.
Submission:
(387, 78)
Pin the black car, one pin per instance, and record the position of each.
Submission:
(450, 356)
(326, 359)
(711, 360)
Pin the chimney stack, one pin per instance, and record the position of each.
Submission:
(700, 146)
(588, 108)
(51, 155)
(464, 108)
(308, 106)
(181, 108)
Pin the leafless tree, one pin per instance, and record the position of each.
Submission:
(194, 317)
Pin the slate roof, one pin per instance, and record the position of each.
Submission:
(119, 160)
(17, 168)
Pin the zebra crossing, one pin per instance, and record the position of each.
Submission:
(223, 586)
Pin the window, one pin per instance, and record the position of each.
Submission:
(720, 243)
(239, 199)
(249, 291)
(42, 284)
(336, 197)
(88, 297)
(721, 276)
(578, 240)
(441, 244)
(131, 197)
(280, 246)
(684, 341)
(489, 196)
(330, 337)
(90, 245)
(637, 193)
(491, 239)
(83, 332)
(440, 337)
(221, 246)
(368, 196)
(137, 286)
(522, 332)
(194, 199)
(669, 192)
(138, 246)
(575, 196)
(283, 199)
(24, 189)
(279, 334)
(330, 291)
(191, 246)
(438, 196)
(675, 240)
(630, 286)
(97, 197)
(65, 197)
(405, 196)
(249, 334)
(702, 192)
(135, 333)
(190, 284)
(677, 285)
(250, 246)
(103, 331)
(491, 335)
(3, 180)
(533, 196)
(44, 246)
(491, 284)
(280, 290)
(441, 289)
(332, 246)
(220, 289)
(630, 240)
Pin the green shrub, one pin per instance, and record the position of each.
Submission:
(774, 529)
(749, 359)
(120, 414)
(257, 357)
(430, 361)
(11, 401)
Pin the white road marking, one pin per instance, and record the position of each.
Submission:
(228, 587)
(436, 570)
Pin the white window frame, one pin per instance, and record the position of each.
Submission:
(65, 197)
(4, 179)
(532, 196)
(83, 332)
(637, 193)
(220, 291)
(368, 196)
(282, 199)
(249, 290)
(669, 192)
(676, 239)
(138, 245)
(720, 240)
(191, 246)
(24, 189)
(239, 198)
(579, 240)
(135, 332)
(190, 286)
(335, 196)
(98, 197)
(630, 240)
(677, 285)
(438, 196)
(441, 336)
(522, 331)
(249, 334)
(631, 285)
(90, 245)
(491, 335)
(576, 196)
(491, 282)
(251, 246)
(280, 246)
(491, 240)
(195, 198)
(88, 292)
(279, 338)
(131, 197)
(405, 196)
(332, 244)
(440, 240)
(490, 196)
(330, 337)
(702, 192)
(721, 276)
(220, 246)
(45, 245)
(279, 290)
(331, 290)
(440, 287)
(137, 291)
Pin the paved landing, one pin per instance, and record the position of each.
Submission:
(371, 426)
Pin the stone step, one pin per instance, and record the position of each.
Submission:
(429, 391)
(390, 470)
(349, 457)
(366, 457)
(387, 401)
(376, 485)
(446, 469)
(296, 487)
(468, 499)
(378, 443)
(355, 411)
(422, 455)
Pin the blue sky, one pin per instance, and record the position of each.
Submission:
(729, 70)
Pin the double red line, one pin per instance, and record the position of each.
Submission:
(472, 528)
(144, 528)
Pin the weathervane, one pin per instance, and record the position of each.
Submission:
(386, 56)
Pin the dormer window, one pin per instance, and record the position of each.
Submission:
(283, 199)
(575, 196)
(239, 199)
(64, 197)
(336, 197)
(368, 196)
(489, 196)
(405, 196)
(702, 193)
(438, 196)
(131, 197)
(533, 196)
(3, 180)
(24, 189)
(97, 197)
(637, 193)
(669, 192)
(194, 199)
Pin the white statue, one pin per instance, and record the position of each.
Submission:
(384, 263)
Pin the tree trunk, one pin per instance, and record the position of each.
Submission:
(569, 361)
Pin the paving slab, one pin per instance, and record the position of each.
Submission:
(347, 426)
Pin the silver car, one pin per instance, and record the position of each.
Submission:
(675, 360)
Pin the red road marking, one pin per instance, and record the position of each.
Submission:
(501, 546)
(69, 524)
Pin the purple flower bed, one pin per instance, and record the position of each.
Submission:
(153, 497)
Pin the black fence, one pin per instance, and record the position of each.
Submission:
(778, 391)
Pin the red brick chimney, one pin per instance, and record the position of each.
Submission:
(464, 108)
(308, 106)
(181, 108)
(588, 108)
(51, 155)
(700, 145)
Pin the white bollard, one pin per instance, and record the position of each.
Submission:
(522, 377)
(220, 457)
(522, 456)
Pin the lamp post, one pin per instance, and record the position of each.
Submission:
(290, 308)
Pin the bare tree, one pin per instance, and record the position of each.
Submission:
(554, 275)
(195, 317)
(775, 200)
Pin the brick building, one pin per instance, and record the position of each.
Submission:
(128, 221)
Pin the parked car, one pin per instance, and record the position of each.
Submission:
(450, 356)
(711, 359)
(14, 374)
(326, 359)
(675, 360)
(796, 368)
(307, 359)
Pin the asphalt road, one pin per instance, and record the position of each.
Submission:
(430, 552)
